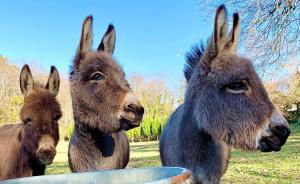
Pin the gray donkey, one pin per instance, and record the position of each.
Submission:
(225, 106)
(103, 106)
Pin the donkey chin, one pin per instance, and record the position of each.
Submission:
(128, 122)
(274, 134)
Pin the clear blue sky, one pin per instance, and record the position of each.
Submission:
(152, 36)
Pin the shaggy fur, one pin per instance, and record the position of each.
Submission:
(103, 106)
(225, 106)
(23, 151)
(192, 58)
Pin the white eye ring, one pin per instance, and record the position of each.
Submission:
(238, 87)
(28, 123)
(235, 92)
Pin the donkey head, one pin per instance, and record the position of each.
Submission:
(101, 95)
(231, 101)
(40, 114)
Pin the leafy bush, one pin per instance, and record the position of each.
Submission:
(69, 132)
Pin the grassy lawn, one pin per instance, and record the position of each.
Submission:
(244, 167)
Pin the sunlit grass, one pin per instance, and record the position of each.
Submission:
(244, 167)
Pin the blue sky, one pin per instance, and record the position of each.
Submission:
(152, 36)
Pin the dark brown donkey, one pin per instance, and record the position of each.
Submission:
(225, 106)
(26, 148)
(103, 105)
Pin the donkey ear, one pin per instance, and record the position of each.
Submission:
(233, 38)
(86, 39)
(53, 81)
(26, 80)
(108, 41)
(219, 36)
(220, 29)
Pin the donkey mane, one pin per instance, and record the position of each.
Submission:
(71, 70)
(192, 58)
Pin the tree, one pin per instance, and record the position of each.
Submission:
(286, 96)
(10, 95)
(270, 29)
(158, 102)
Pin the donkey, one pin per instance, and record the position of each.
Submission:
(104, 106)
(26, 148)
(225, 106)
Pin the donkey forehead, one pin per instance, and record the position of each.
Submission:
(40, 103)
(100, 61)
(233, 67)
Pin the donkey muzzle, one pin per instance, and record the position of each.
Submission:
(278, 133)
(136, 109)
(274, 142)
(46, 156)
(132, 113)
(46, 150)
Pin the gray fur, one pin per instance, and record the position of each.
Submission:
(225, 106)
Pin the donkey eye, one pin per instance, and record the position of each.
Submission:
(237, 87)
(97, 76)
(27, 121)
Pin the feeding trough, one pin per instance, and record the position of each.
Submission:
(155, 175)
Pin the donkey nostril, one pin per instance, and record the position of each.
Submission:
(282, 131)
(136, 109)
(130, 107)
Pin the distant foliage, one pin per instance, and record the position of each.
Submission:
(69, 131)
(286, 97)
(10, 96)
(158, 102)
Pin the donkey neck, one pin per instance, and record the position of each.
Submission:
(84, 131)
(29, 162)
(88, 136)
(188, 115)
(205, 147)
(20, 162)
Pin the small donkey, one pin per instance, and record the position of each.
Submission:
(26, 148)
(103, 106)
(225, 106)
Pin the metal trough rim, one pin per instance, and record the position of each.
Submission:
(183, 175)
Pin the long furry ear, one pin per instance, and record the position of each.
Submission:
(26, 80)
(86, 39)
(108, 41)
(233, 38)
(53, 81)
(218, 39)
(220, 28)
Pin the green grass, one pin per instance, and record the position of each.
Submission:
(244, 167)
